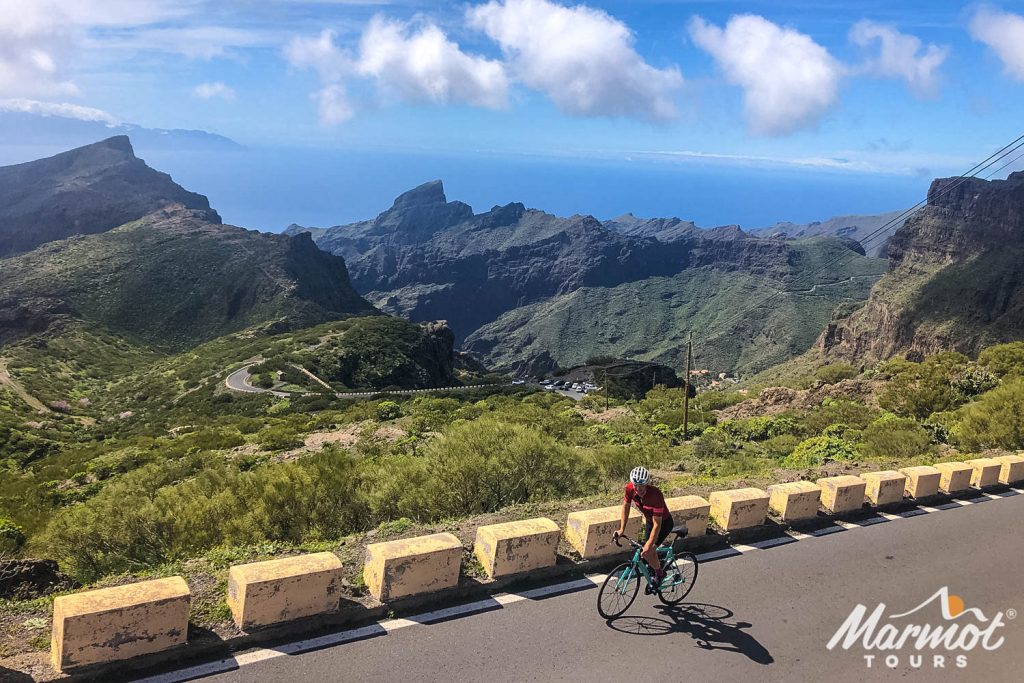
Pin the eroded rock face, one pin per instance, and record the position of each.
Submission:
(955, 279)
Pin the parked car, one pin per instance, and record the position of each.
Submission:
(519, 381)
(545, 382)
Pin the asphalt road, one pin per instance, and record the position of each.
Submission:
(763, 615)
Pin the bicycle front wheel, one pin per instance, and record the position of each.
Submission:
(618, 591)
(680, 575)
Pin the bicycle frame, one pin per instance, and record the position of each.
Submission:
(665, 553)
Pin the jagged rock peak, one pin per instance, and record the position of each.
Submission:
(426, 194)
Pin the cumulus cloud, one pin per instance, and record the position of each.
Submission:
(408, 62)
(214, 89)
(422, 65)
(582, 58)
(899, 57)
(1003, 32)
(788, 80)
(61, 109)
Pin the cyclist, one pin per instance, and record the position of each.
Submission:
(650, 501)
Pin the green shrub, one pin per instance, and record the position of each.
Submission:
(919, 389)
(12, 536)
(388, 410)
(996, 420)
(1004, 359)
(482, 466)
(278, 438)
(895, 437)
(836, 372)
(819, 450)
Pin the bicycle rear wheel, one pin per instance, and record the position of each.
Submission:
(618, 591)
(680, 575)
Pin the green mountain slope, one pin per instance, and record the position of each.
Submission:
(651, 319)
(172, 280)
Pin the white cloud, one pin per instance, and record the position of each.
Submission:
(320, 54)
(412, 63)
(333, 105)
(62, 109)
(581, 57)
(1003, 32)
(422, 65)
(39, 38)
(208, 91)
(898, 56)
(194, 42)
(788, 80)
(34, 39)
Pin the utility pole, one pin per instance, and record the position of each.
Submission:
(686, 390)
(606, 389)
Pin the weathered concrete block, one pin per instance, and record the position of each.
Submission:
(795, 500)
(692, 511)
(517, 547)
(955, 476)
(410, 566)
(842, 494)
(885, 487)
(590, 531)
(986, 472)
(264, 593)
(739, 508)
(112, 624)
(922, 481)
(1011, 469)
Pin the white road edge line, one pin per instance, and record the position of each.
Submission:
(927, 508)
(847, 525)
(798, 535)
(889, 516)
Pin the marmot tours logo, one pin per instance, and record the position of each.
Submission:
(941, 634)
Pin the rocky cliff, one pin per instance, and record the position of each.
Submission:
(955, 279)
(507, 280)
(84, 191)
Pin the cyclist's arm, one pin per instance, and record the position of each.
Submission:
(625, 517)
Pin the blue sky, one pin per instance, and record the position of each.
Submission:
(905, 89)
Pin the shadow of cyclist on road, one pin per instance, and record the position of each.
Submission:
(709, 625)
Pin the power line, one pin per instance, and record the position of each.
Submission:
(1002, 153)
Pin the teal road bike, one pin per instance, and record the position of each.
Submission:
(620, 589)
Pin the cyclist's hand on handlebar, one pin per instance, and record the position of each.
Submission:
(616, 535)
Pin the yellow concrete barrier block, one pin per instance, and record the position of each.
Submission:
(1011, 470)
(410, 566)
(264, 593)
(517, 547)
(118, 623)
(842, 494)
(922, 481)
(590, 531)
(739, 508)
(692, 511)
(986, 472)
(885, 487)
(955, 476)
(795, 500)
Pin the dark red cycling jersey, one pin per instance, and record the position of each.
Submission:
(651, 505)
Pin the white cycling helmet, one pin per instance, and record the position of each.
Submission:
(639, 476)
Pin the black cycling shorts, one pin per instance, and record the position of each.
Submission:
(666, 528)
